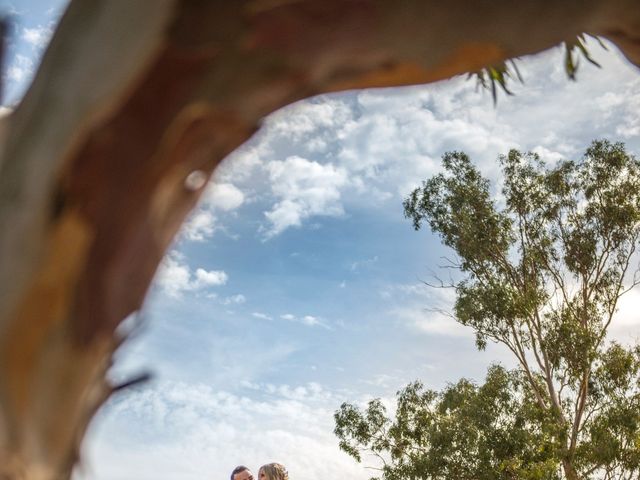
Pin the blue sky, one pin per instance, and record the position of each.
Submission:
(296, 285)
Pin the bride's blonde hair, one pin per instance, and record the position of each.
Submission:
(274, 471)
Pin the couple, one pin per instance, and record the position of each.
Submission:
(270, 471)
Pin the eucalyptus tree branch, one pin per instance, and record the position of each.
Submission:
(579, 410)
(619, 288)
(600, 265)
(521, 357)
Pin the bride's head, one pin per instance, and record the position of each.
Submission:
(273, 471)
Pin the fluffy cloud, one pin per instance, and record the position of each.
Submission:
(203, 222)
(205, 278)
(20, 69)
(304, 188)
(354, 147)
(213, 431)
(309, 117)
(223, 196)
(241, 164)
(37, 37)
(199, 226)
(175, 277)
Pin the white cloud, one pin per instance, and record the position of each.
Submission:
(234, 299)
(223, 196)
(304, 189)
(202, 224)
(190, 431)
(399, 137)
(431, 322)
(205, 278)
(297, 121)
(308, 320)
(199, 226)
(242, 163)
(175, 277)
(38, 36)
(549, 156)
(20, 69)
(424, 309)
(629, 127)
(262, 316)
(625, 326)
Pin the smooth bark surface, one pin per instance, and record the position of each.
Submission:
(132, 97)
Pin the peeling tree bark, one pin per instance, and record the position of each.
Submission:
(133, 96)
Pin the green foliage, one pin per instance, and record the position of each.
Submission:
(492, 77)
(572, 52)
(492, 431)
(541, 274)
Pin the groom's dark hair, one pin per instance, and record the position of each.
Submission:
(238, 469)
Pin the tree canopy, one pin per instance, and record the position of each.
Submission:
(543, 267)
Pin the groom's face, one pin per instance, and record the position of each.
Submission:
(245, 475)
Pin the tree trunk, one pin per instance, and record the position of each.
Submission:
(569, 470)
(131, 97)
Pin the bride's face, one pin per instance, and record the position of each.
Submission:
(262, 475)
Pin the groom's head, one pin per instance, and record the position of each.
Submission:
(241, 473)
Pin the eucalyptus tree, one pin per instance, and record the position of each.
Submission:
(542, 271)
